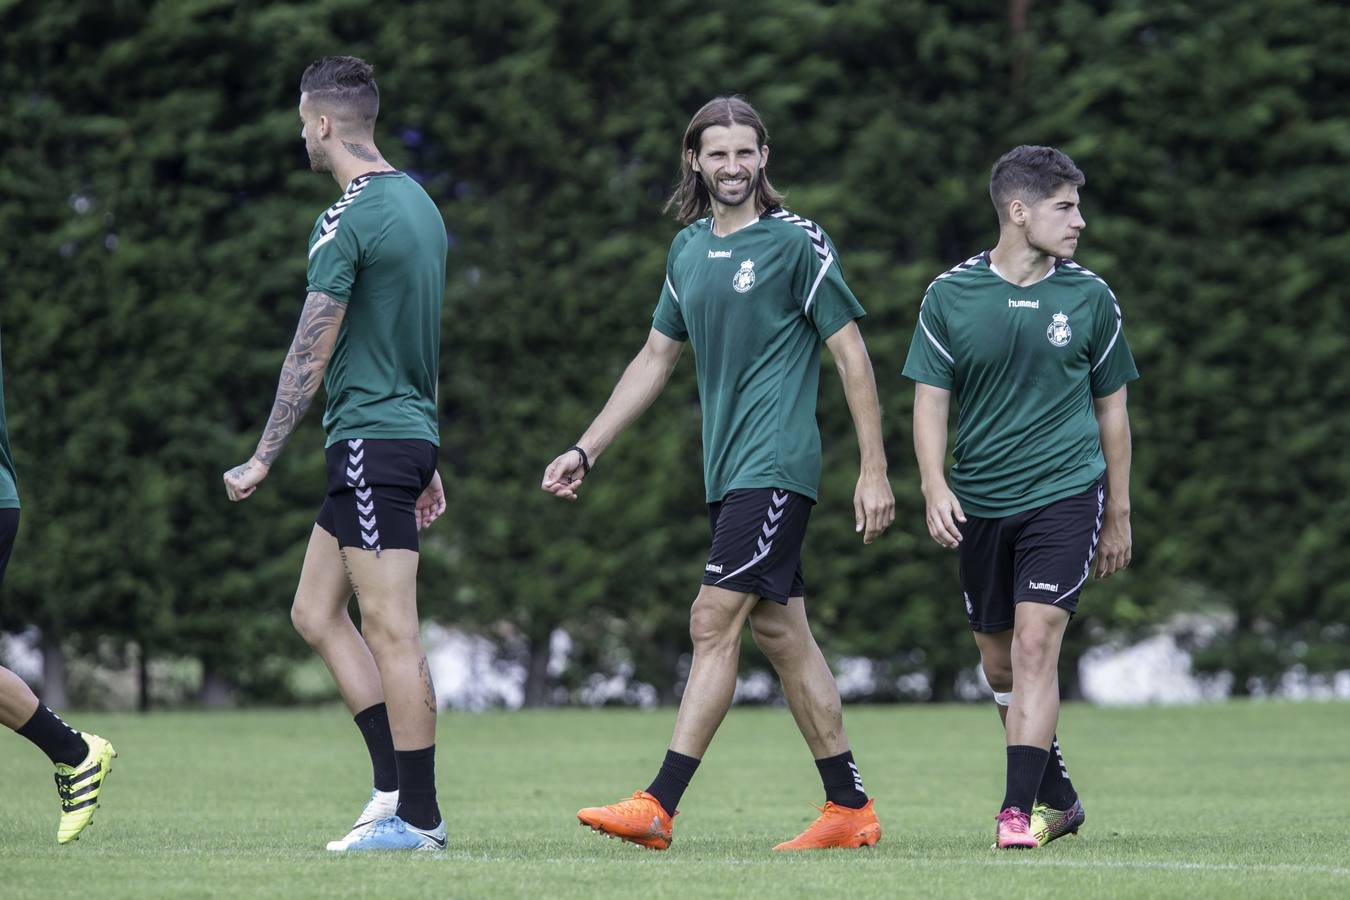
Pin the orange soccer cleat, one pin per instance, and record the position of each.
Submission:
(838, 826)
(639, 820)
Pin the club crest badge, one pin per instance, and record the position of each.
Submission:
(744, 279)
(1059, 333)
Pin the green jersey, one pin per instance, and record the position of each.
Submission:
(756, 306)
(381, 250)
(9, 487)
(1025, 364)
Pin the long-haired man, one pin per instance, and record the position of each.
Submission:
(757, 291)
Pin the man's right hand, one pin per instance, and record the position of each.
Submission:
(243, 480)
(563, 476)
(944, 512)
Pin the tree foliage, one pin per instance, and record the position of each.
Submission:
(153, 242)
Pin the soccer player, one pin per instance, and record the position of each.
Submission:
(370, 329)
(1031, 344)
(756, 290)
(82, 760)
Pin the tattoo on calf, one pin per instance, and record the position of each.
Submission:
(302, 372)
(429, 698)
(361, 151)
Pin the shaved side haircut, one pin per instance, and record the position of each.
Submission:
(1031, 174)
(345, 86)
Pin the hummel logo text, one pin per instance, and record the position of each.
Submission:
(1042, 586)
(714, 568)
(1023, 304)
(719, 254)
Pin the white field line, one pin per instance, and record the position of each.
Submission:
(1273, 868)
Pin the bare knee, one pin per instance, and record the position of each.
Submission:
(711, 627)
(394, 632)
(999, 675)
(311, 622)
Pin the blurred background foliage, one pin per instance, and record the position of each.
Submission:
(152, 237)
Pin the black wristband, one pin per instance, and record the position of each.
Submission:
(585, 460)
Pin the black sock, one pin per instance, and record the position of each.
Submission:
(59, 741)
(843, 784)
(677, 770)
(1056, 790)
(374, 725)
(1026, 765)
(417, 787)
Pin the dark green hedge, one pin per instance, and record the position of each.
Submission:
(153, 230)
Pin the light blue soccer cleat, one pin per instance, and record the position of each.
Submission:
(382, 805)
(395, 834)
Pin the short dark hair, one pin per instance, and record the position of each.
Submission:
(345, 84)
(690, 200)
(1032, 173)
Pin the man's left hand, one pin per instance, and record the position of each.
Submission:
(431, 503)
(1114, 549)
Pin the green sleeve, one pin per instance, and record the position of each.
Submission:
(1112, 362)
(930, 357)
(669, 318)
(335, 253)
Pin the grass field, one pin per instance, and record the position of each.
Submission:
(1239, 800)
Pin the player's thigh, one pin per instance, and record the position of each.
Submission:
(323, 589)
(385, 582)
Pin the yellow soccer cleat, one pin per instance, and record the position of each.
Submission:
(1049, 824)
(80, 786)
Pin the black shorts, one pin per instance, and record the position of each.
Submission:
(373, 486)
(9, 529)
(757, 543)
(1040, 556)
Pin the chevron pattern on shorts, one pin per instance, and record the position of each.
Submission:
(765, 541)
(365, 495)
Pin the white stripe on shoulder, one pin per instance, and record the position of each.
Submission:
(1072, 266)
(670, 287)
(332, 217)
(818, 241)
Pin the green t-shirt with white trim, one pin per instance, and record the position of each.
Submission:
(756, 306)
(1024, 364)
(380, 249)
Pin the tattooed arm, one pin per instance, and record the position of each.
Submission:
(301, 376)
